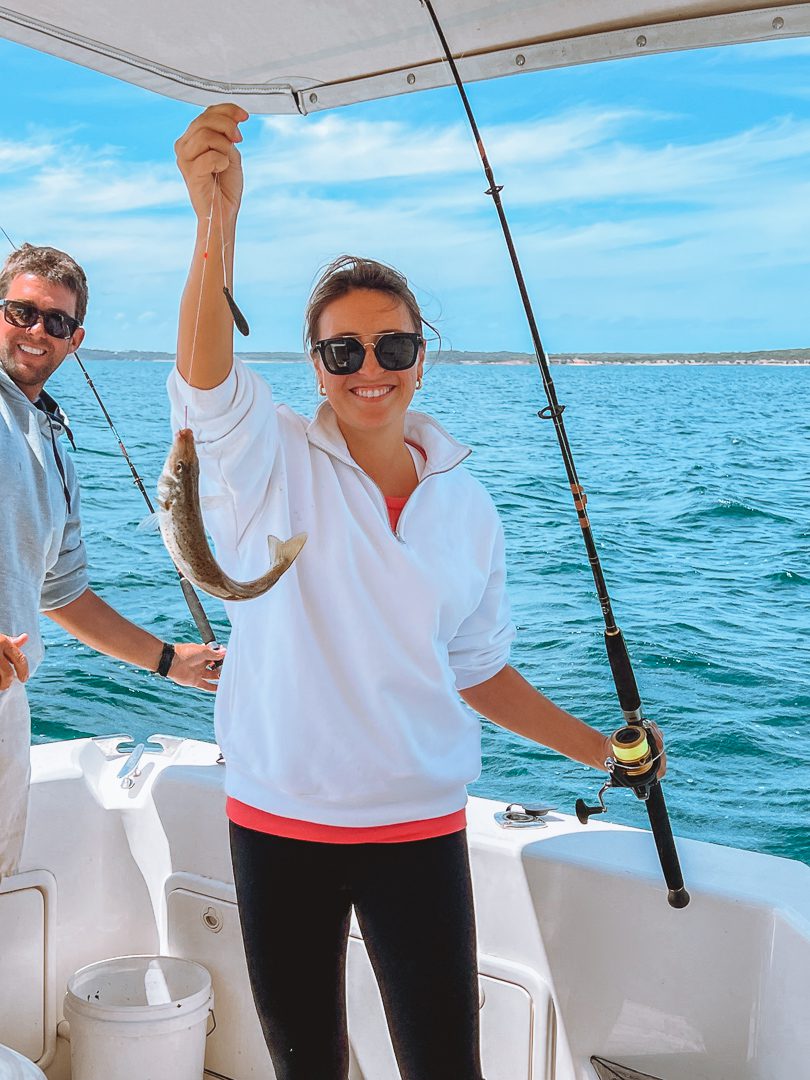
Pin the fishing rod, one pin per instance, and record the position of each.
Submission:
(636, 755)
(192, 600)
(189, 594)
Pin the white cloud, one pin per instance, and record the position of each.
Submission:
(15, 156)
(334, 149)
(604, 211)
(93, 187)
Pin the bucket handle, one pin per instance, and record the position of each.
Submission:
(212, 1015)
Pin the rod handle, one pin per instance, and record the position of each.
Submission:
(677, 895)
(207, 635)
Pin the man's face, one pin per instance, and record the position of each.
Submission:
(29, 355)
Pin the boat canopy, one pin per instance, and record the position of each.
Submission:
(302, 56)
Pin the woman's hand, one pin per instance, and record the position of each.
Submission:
(208, 148)
(12, 660)
(658, 737)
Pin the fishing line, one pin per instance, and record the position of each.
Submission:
(190, 596)
(202, 280)
(239, 319)
(618, 656)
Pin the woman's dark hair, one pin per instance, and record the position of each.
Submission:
(349, 272)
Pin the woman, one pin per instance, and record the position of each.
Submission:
(341, 707)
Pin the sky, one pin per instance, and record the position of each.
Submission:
(658, 204)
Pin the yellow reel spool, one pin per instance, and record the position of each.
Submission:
(631, 749)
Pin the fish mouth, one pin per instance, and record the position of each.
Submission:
(184, 449)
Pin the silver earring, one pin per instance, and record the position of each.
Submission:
(419, 382)
(321, 389)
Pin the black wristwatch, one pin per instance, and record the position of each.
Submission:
(166, 658)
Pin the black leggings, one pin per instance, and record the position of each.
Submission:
(414, 904)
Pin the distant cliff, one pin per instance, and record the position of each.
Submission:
(453, 356)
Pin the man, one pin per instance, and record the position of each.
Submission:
(43, 300)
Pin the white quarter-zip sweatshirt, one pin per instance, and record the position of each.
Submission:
(338, 702)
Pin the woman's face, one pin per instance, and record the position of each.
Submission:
(371, 398)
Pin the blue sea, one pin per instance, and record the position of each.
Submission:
(698, 483)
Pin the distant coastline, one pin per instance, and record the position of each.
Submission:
(454, 356)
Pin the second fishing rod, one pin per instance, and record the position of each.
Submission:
(636, 756)
(193, 603)
(189, 594)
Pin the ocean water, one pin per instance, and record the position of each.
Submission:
(698, 483)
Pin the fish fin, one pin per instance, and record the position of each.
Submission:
(285, 551)
(151, 523)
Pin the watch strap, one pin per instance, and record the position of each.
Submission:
(166, 658)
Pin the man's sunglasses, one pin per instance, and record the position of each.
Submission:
(345, 355)
(21, 313)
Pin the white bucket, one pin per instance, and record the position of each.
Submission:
(14, 1066)
(138, 1018)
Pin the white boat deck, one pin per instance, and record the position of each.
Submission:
(580, 953)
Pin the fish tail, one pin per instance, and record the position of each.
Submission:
(284, 552)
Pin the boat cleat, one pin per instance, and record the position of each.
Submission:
(518, 816)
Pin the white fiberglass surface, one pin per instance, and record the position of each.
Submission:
(579, 952)
(267, 53)
(710, 990)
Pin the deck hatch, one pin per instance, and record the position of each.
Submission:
(22, 990)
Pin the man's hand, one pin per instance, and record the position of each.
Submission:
(196, 665)
(12, 660)
(100, 626)
(208, 147)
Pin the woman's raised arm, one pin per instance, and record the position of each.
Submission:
(207, 156)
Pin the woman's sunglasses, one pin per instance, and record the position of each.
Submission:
(345, 355)
(21, 313)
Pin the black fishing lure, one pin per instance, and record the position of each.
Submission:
(239, 319)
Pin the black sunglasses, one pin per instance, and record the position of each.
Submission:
(396, 351)
(57, 323)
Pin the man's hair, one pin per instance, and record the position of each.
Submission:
(49, 263)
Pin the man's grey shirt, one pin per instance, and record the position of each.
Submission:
(43, 564)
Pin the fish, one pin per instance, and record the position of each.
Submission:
(181, 526)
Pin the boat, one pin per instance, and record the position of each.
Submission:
(585, 971)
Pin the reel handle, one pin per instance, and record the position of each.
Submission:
(583, 811)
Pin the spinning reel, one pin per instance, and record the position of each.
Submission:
(635, 763)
